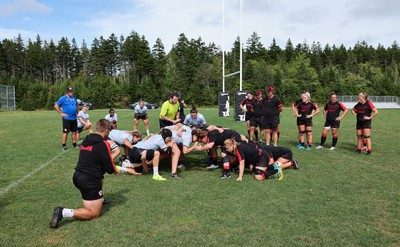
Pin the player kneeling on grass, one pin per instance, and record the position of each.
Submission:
(95, 159)
(256, 159)
(146, 152)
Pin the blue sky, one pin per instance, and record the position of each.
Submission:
(328, 22)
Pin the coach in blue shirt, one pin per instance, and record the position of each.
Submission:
(68, 108)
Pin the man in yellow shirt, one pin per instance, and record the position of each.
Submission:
(169, 114)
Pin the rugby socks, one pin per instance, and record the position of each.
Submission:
(74, 144)
(123, 169)
(148, 132)
(256, 134)
(323, 139)
(68, 213)
(334, 140)
(155, 171)
(309, 144)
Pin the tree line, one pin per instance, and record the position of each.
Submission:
(116, 71)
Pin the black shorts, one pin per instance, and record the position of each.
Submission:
(332, 123)
(139, 116)
(257, 122)
(271, 123)
(80, 129)
(278, 152)
(164, 123)
(363, 125)
(69, 125)
(135, 155)
(248, 117)
(89, 187)
(304, 121)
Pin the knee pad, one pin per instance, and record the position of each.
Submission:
(308, 131)
(359, 136)
(302, 132)
(366, 137)
(335, 136)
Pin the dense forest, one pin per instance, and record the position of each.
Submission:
(116, 71)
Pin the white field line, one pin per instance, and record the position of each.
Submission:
(21, 180)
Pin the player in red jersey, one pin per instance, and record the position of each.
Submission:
(332, 111)
(304, 109)
(273, 107)
(364, 110)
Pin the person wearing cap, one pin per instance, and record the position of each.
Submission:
(68, 108)
(257, 111)
(169, 114)
(273, 107)
(304, 109)
(112, 117)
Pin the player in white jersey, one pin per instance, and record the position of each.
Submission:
(195, 119)
(83, 122)
(141, 113)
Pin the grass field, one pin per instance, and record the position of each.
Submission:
(335, 199)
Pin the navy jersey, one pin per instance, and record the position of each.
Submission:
(272, 106)
(333, 110)
(363, 110)
(305, 108)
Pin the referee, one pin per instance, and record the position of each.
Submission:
(95, 159)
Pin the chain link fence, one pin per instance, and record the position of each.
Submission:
(7, 98)
(390, 102)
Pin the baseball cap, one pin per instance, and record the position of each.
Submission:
(269, 89)
(258, 93)
(69, 89)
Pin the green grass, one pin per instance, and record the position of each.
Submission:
(337, 198)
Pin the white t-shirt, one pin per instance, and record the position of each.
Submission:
(155, 142)
(198, 121)
(140, 110)
(118, 136)
(113, 118)
(84, 116)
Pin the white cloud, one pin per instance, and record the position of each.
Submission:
(18, 6)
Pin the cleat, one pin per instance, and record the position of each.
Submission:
(319, 147)
(212, 167)
(106, 202)
(175, 175)
(308, 148)
(332, 149)
(296, 164)
(64, 148)
(300, 147)
(57, 217)
(260, 141)
(158, 178)
(358, 151)
(369, 153)
(181, 166)
(76, 146)
(225, 176)
(279, 174)
(117, 168)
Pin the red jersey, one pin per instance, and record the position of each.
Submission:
(363, 110)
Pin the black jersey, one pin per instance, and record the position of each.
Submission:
(333, 110)
(248, 153)
(257, 108)
(363, 110)
(272, 106)
(95, 157)
(219, 138)
(247, 102)
(305, 108)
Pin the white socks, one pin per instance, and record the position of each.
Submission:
(68, 213)
(148, 132)
(155, 171)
